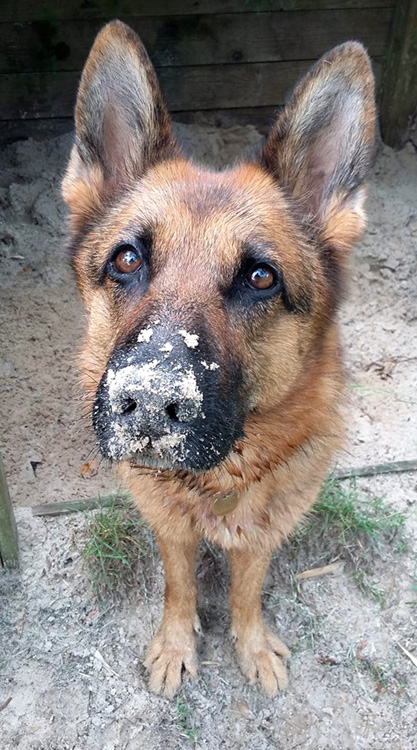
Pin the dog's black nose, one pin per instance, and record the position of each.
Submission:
(154, 397)
(161, 402)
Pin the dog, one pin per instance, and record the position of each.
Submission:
(211, 358)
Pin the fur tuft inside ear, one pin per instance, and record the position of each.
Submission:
(83, 190)
(121, 122)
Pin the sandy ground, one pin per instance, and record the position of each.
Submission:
(72, 664)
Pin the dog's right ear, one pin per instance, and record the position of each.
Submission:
(321, 146)
(121, 122)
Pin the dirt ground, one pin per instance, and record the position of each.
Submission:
(70, 663)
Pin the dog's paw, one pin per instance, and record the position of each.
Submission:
(260, 654)
(172, 656)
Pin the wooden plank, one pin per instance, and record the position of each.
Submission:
(373, 470)
(39, 130)
(398, 101)
(9, 554)
(117, 500)
(198, 39)
(29, 10)
(38, 95)
(260, 117)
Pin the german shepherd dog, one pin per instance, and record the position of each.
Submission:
(211, 357)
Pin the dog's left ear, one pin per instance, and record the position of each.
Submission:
(122, 125)
(321, 146)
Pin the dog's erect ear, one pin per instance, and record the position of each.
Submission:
(321, 146)
(122, 125)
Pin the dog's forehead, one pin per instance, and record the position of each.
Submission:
(178, 198)
(205, 221)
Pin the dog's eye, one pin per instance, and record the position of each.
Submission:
(261, 277)
(126, 260)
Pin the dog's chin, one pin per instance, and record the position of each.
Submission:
(166, 458)
(166, 463)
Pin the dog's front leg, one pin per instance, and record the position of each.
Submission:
(259, 651)
(173, 650)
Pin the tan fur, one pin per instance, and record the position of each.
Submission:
(200, 221)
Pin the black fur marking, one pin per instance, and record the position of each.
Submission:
(76, 240)
(335, 275)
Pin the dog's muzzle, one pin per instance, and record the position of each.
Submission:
(160, 404)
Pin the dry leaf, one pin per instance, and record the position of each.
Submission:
(89, 469)
(244, 709)
(359, 649)
(328, 660)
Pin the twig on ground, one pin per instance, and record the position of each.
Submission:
(391, 467)
(315, 572)
(90, 503)
(106, 666)
(5, 704)
(408, 653)
(120, 498)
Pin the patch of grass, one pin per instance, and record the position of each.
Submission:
(117, 541)
(413, 602)
(345, 524)
(367, 585)
(342, 511)
(384, 676)
(185, 720)
(381, 676)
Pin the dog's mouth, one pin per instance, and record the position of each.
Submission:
(166, 408)
(195, 446)
(168, 452)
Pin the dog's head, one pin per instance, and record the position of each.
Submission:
(207, 293)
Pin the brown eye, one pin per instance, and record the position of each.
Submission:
(127, 260)
(261, 277)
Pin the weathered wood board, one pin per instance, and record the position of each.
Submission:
(260, 117)
(8, 531)
(198, 87)
(197, 39)
(27, 10)
(399, 94)
(221, 59)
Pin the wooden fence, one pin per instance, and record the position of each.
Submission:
(219, 61)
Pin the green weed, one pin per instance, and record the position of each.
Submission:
(345, 514)
(117, 540)
(383, 676)
(345, 524)
(185, 719)
(346, 517)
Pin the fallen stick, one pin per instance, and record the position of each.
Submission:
(373, 470)
(5, 704)
(315, 572)
(408, 653)
(106, 666)
(90, 503)
(120, 498)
